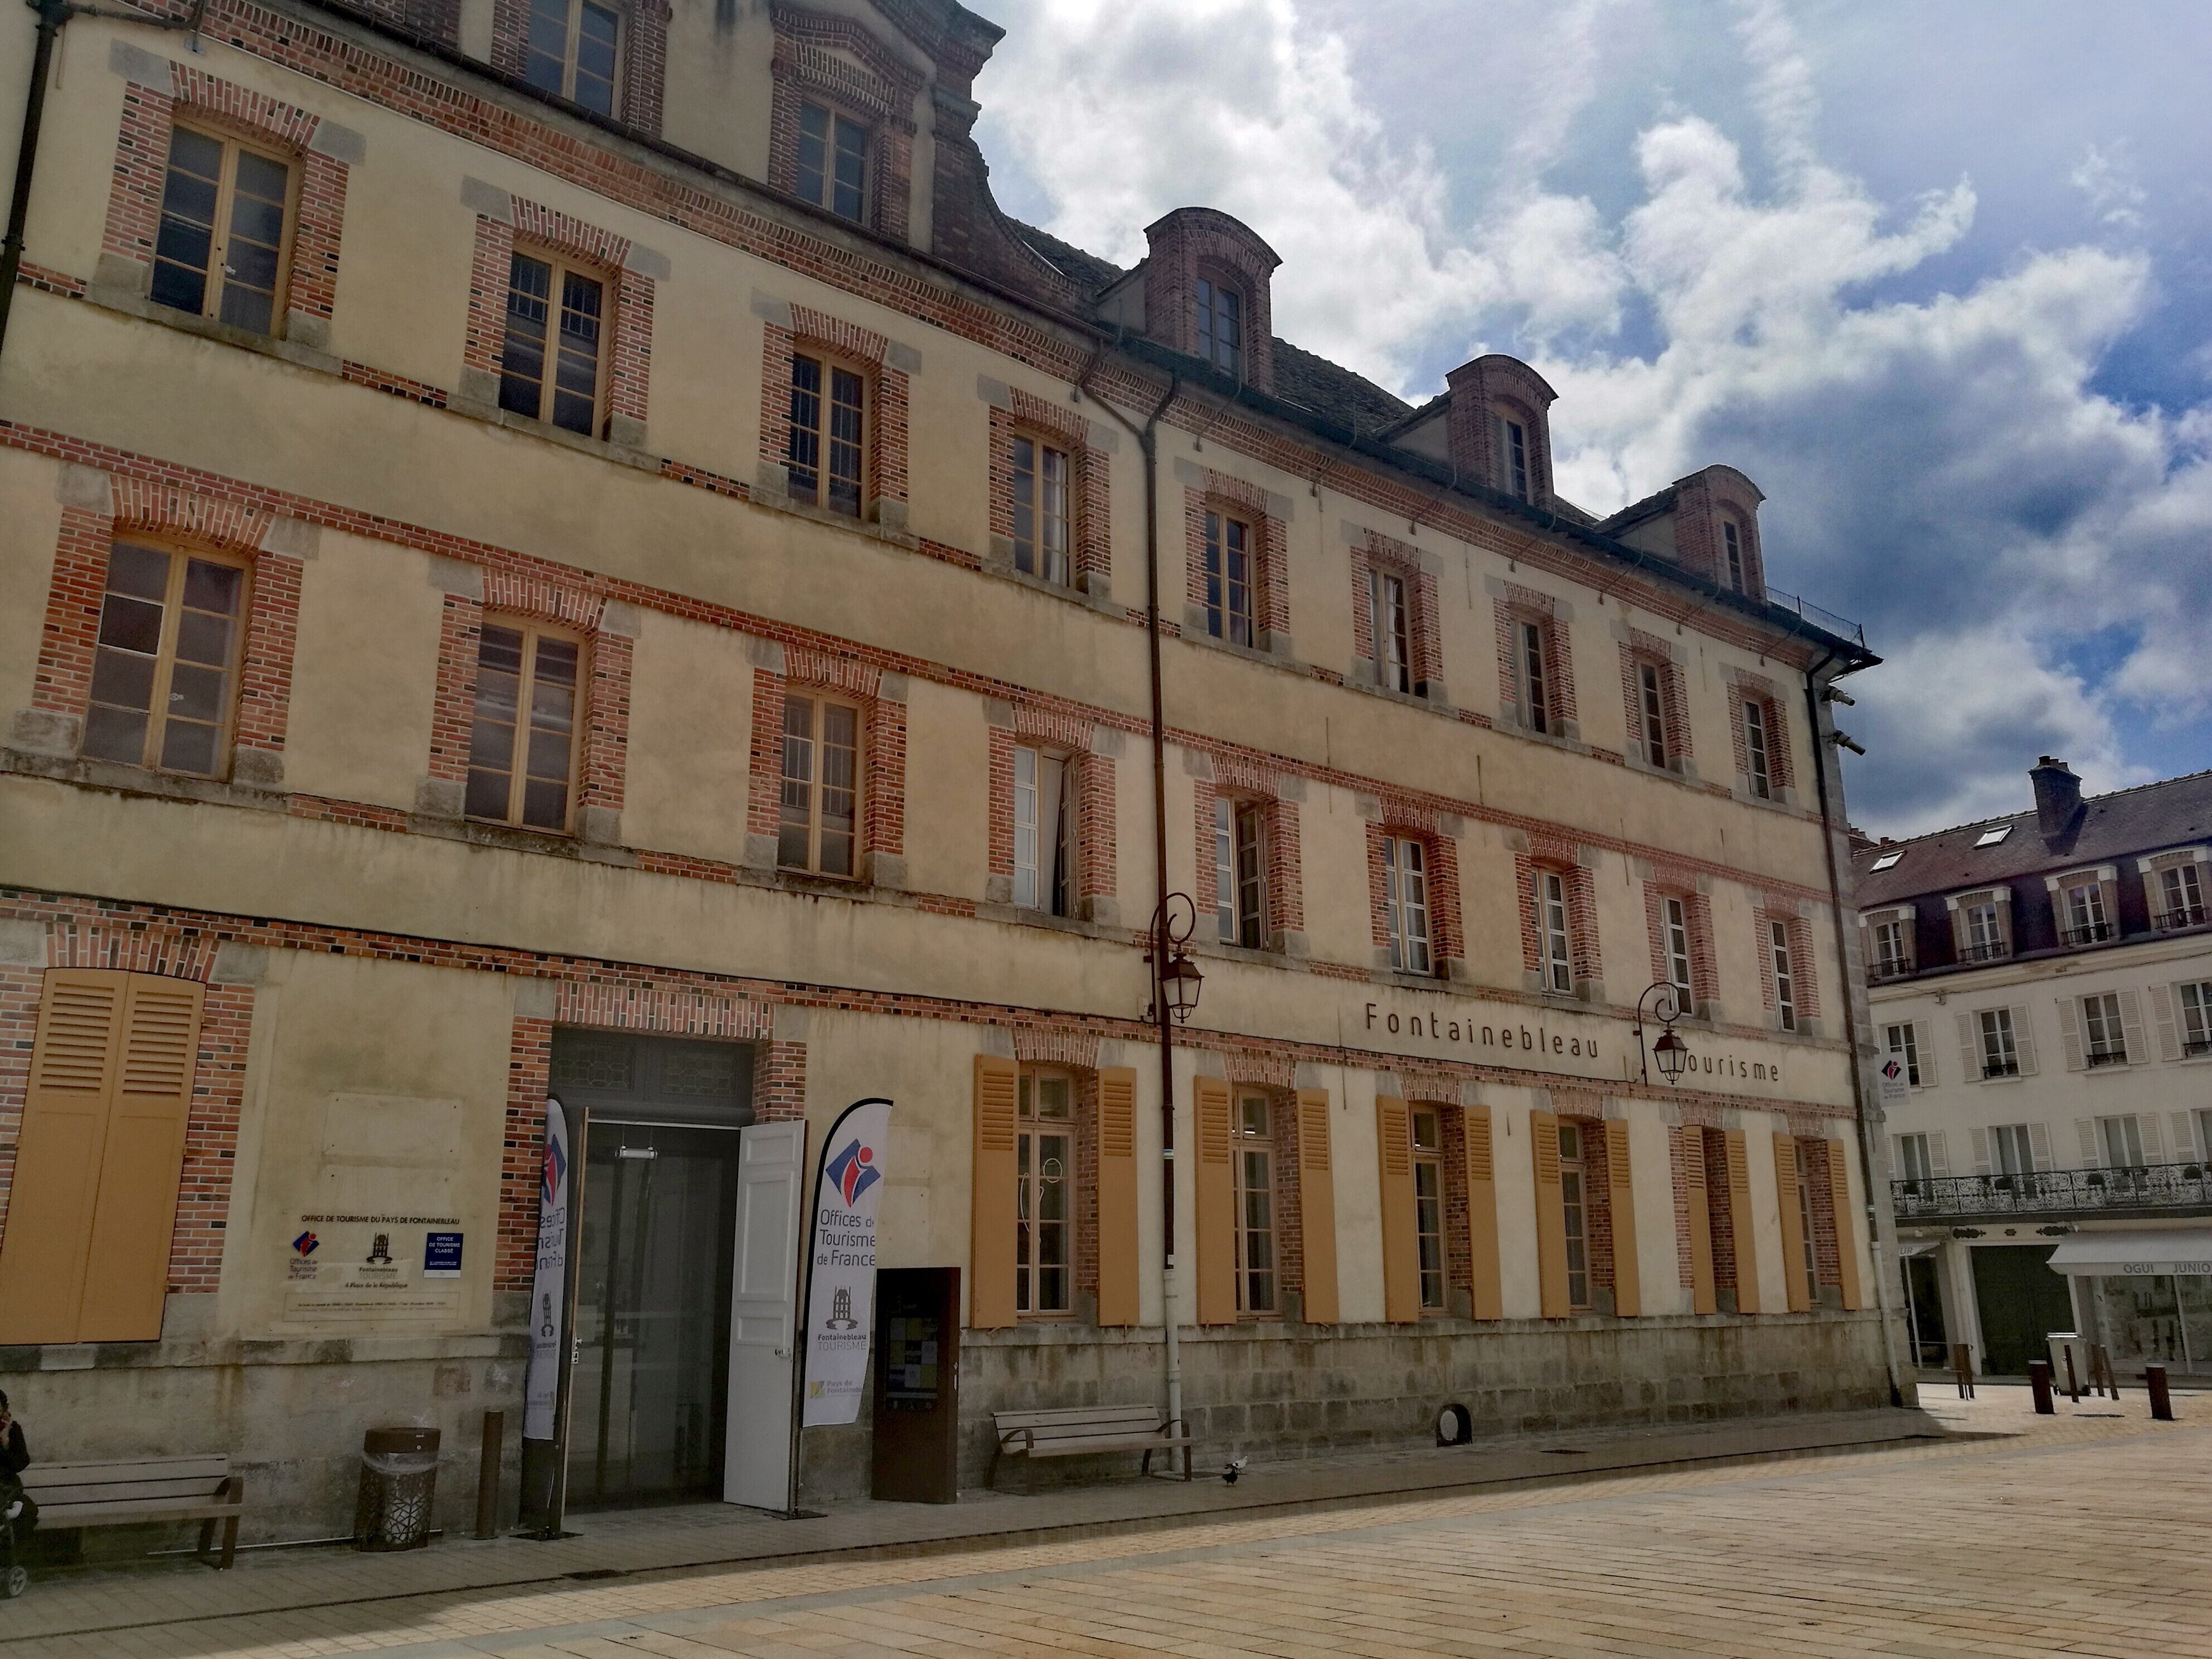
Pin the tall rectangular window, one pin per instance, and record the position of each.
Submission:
(1808, 1262)
(1429, 1206)
(1554, 946)
(1040, 509)
(1732, 547)
(829, 410)
(1228, 607)
(1240, 872)
(1512, 457)
(549, 369)
(1756, 753)
(819, 826)
(1221, 326)
(2106, 1042)
(1904, 1045)
(2000, 1050)
(1255, 1205)
(2122, 1142)
(164, 676)
(225, 231)
(833, 162)
(2012, 1149)
(1651, 703)
(2196, 1020)
(1406, 904)
(1535, 672)
(2182, 896)
(1044, 1206)
(1912, 1155)
(571, 51)
(1575, 1200)
(1675, 920)
(1390, 622)
(1893, 954)
(1785, 974)
(1984, 936)
(1044, 832)
(2084, 912)
(522, 744)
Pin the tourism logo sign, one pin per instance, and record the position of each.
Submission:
(841, 1292)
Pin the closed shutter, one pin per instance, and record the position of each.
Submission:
(2085, 1129)
(1699, 1204)
(1214, 1182)
(1939, 1152)
(2169, 1031)
(2070, 1032)
(1799, 1292)
(1317, 1206)
(1746, 1252)
(1117, 1195)
(1551, 1215)
(2185, 1137)
(2154, 1143)
(1401, 1245)
(993, 1250)
(2038, 1145)
(93, 1201)
(1923, 1043)
(1981, 1151)
(1621, 1201)
(2023, 1038)
(2132, 1027)
(1970, 1048)
(1488, 1294)
(1847, 1224)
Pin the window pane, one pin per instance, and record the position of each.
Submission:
(1237, 568)
(1025, 506)
(185, 240)
(1216, 623)
(575, 395)
(803, 456)
(124, 679)
(189, 746)
(259, 189)
(794, 836)
(116, 734)
(847, 390)
(546, 61)
(195, 692)
(1224, 869)
(814, 152)
(840, 758)
(522, 363)
(129, 624)
(491, 738)
(1025, 827)
(595, 60)
(849, 198)
(1053, 513)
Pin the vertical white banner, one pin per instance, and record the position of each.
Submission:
(549, 1287)
(841, 1295)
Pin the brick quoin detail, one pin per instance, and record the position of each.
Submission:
(630, 295)
(142, 160)
(490, 268)
(1271, 598)
(1639, 649)
(812, 332)
(1090, 510)
(1397, 558)
(453, 710)
(1525, 605)
(814, 62)
(1440, 862)
(644, 46)
(1827, 1257)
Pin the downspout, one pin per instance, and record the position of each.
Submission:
(1145, 436)
(1824, 751)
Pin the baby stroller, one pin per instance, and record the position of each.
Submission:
(14, 1577)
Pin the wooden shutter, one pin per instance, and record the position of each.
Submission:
(1620, 1202)
(2131, 1028)
(992, 1247)
(2169, 1031)
(2070, 1032)
(1981, 1151)
(1551, 1215)
(1214, 1182)
(1317, 1207)
(93, 1201)
(1746, 1252)
(1401, 1244)
(1970, 1048)
(2038, 1145)
(1923, 1043)
(1488, 1294)
(1117, 1195)
(1799, 1294)
(1701, 1297)
(2023, 1040)
(1847, 1226)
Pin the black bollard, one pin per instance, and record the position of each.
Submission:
(2073, 1383)
(2039, 1381)
(2161, 1403)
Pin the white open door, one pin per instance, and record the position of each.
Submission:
(763, 1316)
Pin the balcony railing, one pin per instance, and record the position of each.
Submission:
(2105, 1056)
(1881, 972)
(2174, 918)
(1992, 949)
(2086, 933)
(2180, 1188)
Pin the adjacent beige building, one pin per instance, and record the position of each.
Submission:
(568, 547)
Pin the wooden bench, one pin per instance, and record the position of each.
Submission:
(135, 1491)
(1083, 1431)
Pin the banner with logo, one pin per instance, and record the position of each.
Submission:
(840, 1278)
(549, 1287)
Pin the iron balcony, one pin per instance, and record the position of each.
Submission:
(2053, 1195)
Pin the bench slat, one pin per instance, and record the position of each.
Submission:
(1084, 1448)
(1115, 1416)
(116, 1515)
(46, 1493)
(210, 1468)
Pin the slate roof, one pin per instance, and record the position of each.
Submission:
(2128, 823)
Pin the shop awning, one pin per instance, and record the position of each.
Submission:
(2134, 1255)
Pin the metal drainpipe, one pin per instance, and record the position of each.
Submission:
(1145, 436)
(51, 15)
(1823, 751)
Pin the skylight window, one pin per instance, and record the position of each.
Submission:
(1887, 860)
(1991, 837)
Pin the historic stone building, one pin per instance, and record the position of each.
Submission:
(566, 546)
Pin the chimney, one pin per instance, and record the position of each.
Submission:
(2057, 796)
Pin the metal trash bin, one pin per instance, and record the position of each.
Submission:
(399, 1481)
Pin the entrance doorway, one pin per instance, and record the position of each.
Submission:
(655, 1238)
(2020, 1302)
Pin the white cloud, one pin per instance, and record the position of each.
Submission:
(2106, 178)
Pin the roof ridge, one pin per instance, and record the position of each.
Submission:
(2029, 811)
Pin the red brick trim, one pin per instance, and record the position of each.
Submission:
(1549, 853)
(643, 45)
(1090, 524)
(1098, 803)
(1287, 905)
(1756, 688)
(1424, 651)
(1765, 912)
(1526, 605)
(1697, 916)
(1440, 853)
(1271, 603)
(814, 60)
(882, 757)
(1636, 651)
(1193, 242)
(886, 417)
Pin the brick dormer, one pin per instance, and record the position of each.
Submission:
(1499, 423)
(1716, 529)
(1197, 256)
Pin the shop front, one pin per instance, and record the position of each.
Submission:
(2146, 1295)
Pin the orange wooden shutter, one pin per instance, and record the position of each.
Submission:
(1401, 1244)
(1746, 1254)
(1551, 1215)
(992, 1247)
(1317, 1207)
(93, 1201)
(1847, 1231)
(1117, 1195)
(1620, 1200)
(1488, 1295)
(1214, 1182)
(1793, 1224)
(1702, 1299)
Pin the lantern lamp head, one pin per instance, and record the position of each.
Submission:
(1672, 1053)
(1179, 983)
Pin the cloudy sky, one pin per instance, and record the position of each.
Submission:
(1938, 277)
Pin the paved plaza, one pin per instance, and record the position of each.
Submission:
(2084, 1534)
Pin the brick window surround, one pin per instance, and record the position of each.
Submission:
(629, 326)
(1272, 1075)
(1827, 1256)
(1805, 992)
(881, 698)
(603, 719)
(1440, 850)
(1584, 1115)
(1270, 600)
(833, 61)
(1091, 752)
(1637, 651)
(1441, 1095)
(1278, 799)
(1697, 916)
(1424, 650)
(97, 511)
(1706, 500)
(1744, 687)
(1548, 852)
(1089, 511)
(884, 467)
(320, 151)
(1193, 242)
(643, 43)
(1517, 606)
(1482, 390)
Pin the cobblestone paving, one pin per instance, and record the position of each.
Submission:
(2078, 1535)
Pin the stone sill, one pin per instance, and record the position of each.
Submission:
(772, 500)
(263, 1351)
(117, 778)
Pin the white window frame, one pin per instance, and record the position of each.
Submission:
(1533, 660)
(1732, 545)
(1514, 471)
(1675, 939)
(1785, 974)
(1908, 1050)
(1406, 904)
(1915, 1161)
(1555, 943)
(1391, 624)
(1240, 901)
(2012, 1150)
(1651, 700)
(2193, 1000)
(2000, 1042)
(1046, 824)
(2104, 1036)
(2119, 1141)
(1757, 748)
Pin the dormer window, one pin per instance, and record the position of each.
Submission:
(1732, 549)
(1512, 457)
(572, 50)
(1221, 327)
(833, 162)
